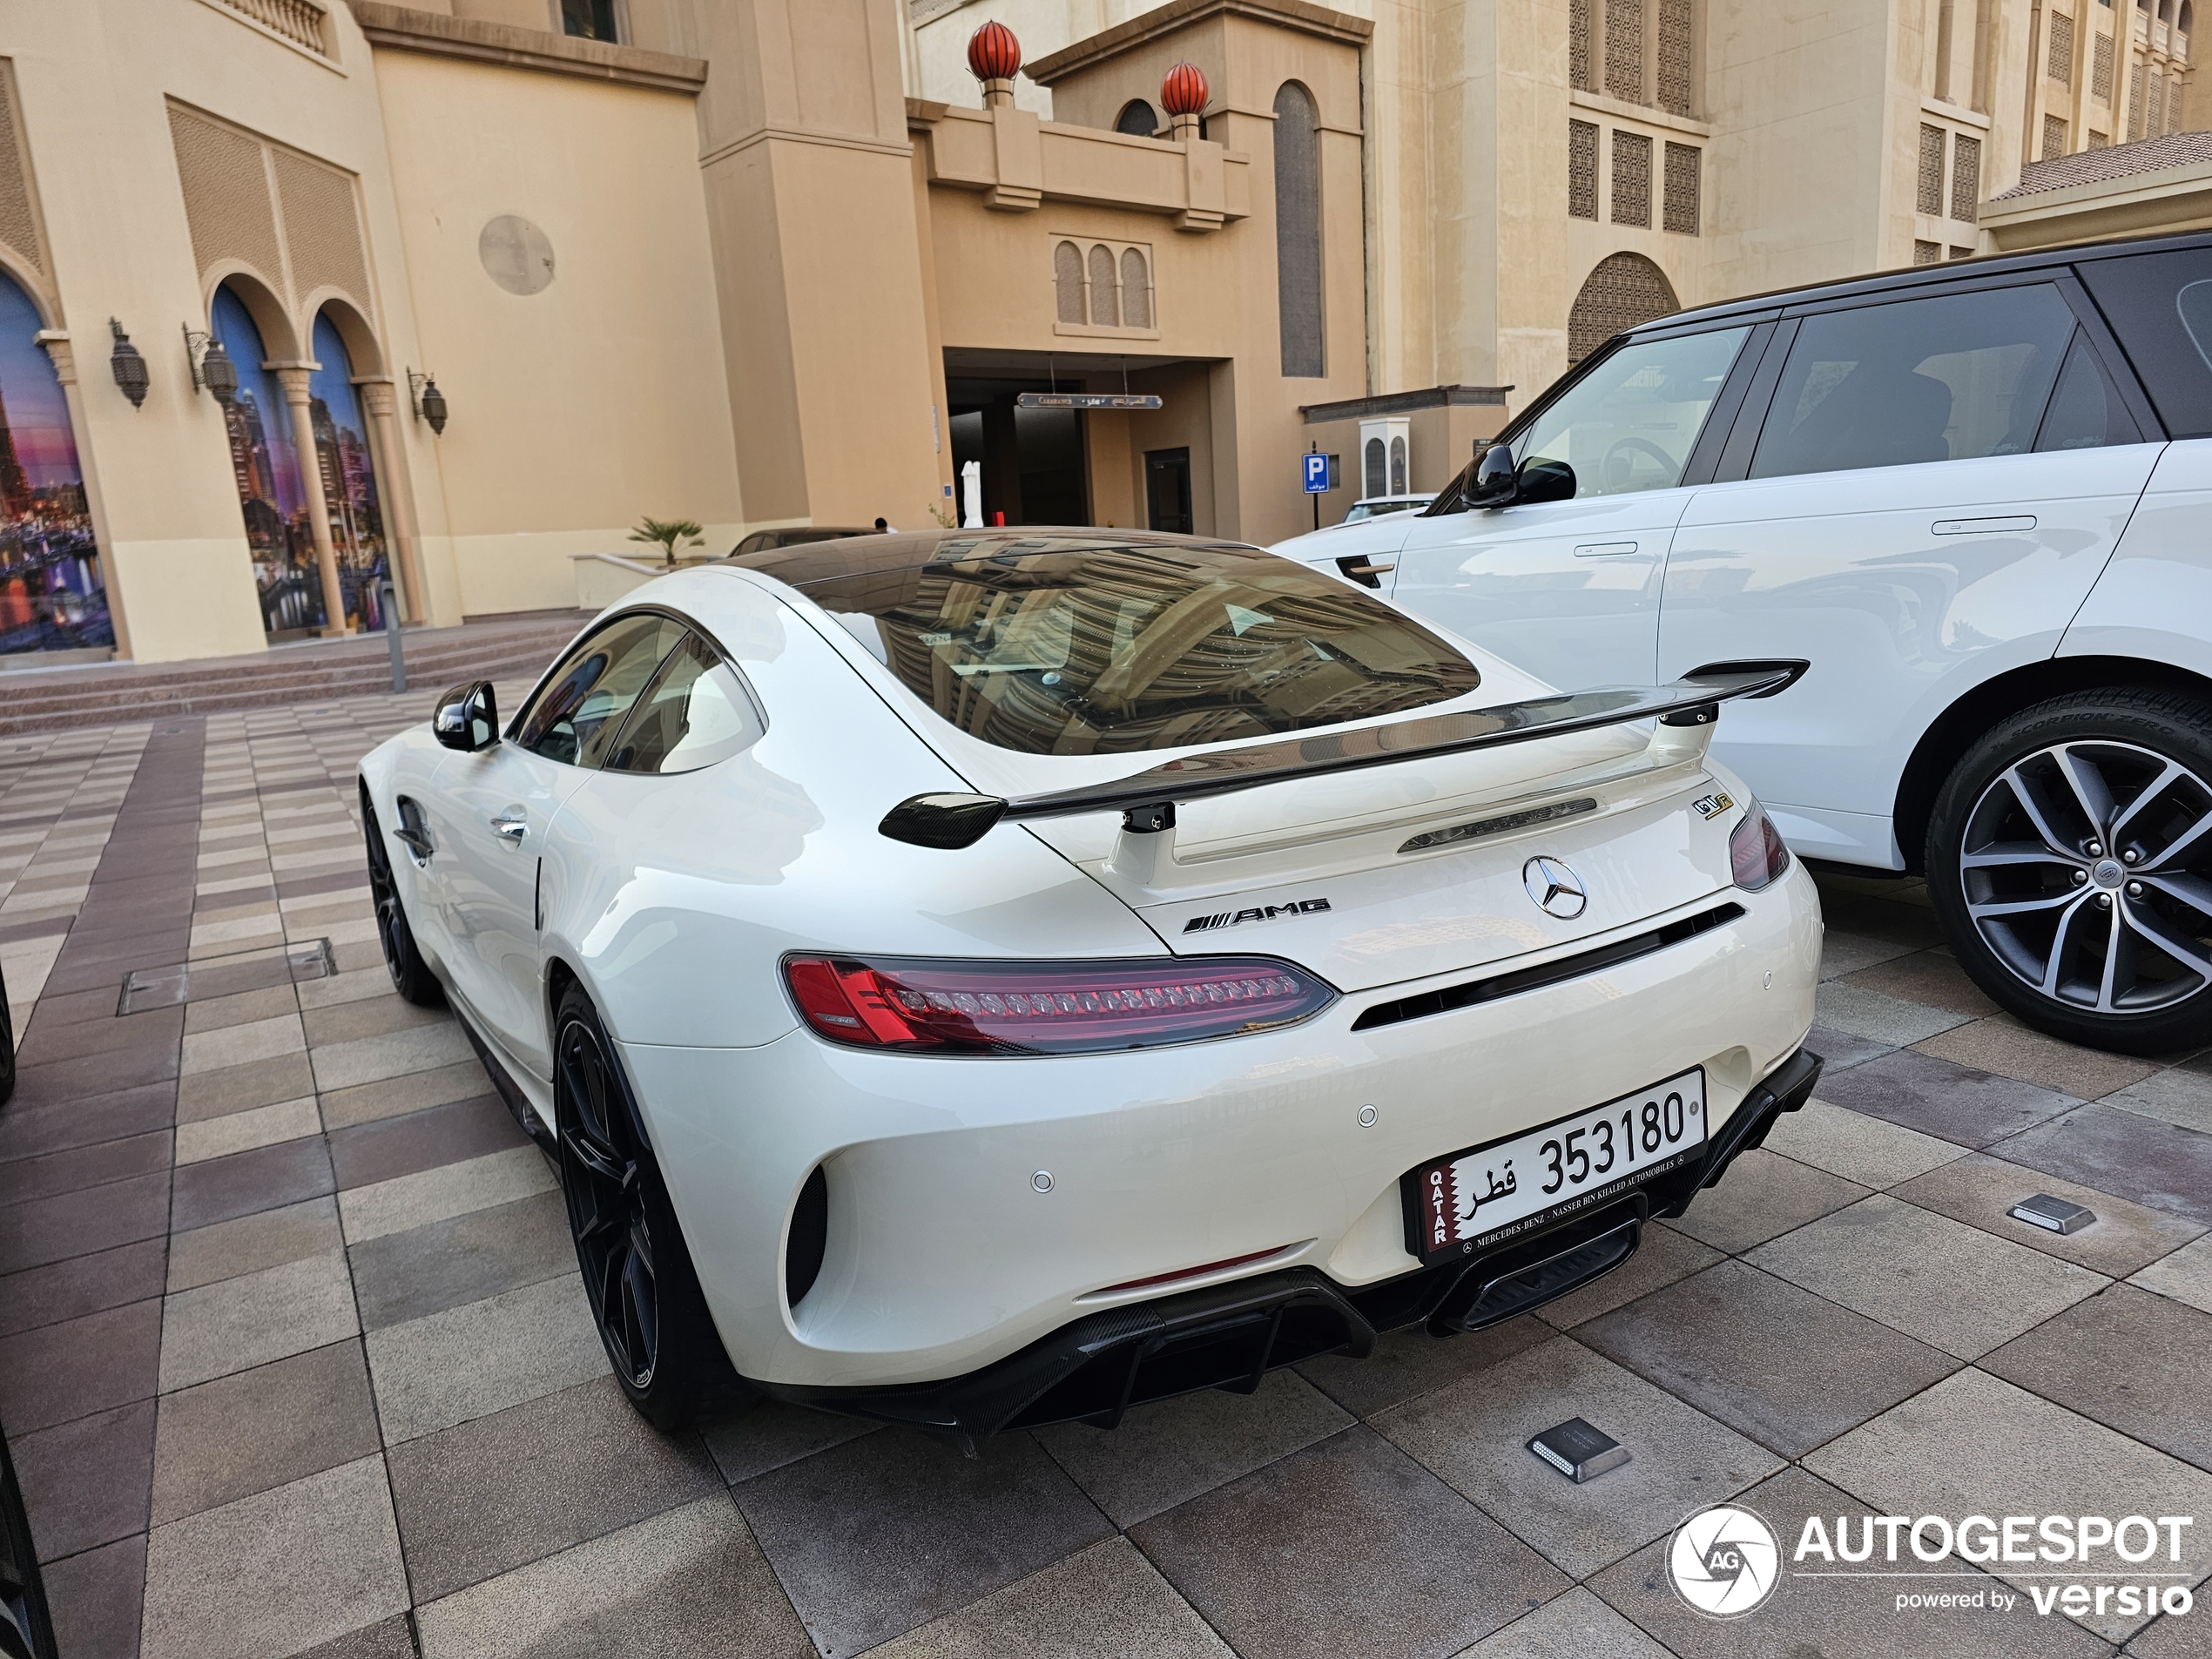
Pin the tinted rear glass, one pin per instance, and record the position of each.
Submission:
(2161, 306)
(1057, 647)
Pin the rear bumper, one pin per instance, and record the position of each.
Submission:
(1230, 1336)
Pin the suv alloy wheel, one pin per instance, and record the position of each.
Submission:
(2069, 859)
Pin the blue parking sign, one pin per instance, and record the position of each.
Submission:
(1317, 474)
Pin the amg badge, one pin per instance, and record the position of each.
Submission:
(1257, 912)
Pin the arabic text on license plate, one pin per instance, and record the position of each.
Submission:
(1476, 1199)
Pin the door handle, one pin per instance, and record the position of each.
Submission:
(511, 826)
(1982, 526)
(1603, 550)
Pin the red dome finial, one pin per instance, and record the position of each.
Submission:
(993, 53)
(1184, 92)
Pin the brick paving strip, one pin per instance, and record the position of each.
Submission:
(293, 1358)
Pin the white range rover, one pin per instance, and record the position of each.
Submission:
(1977, 499)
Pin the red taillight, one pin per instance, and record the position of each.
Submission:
(1047, 1008)
(1755, 850)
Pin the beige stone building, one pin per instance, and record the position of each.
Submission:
(300, 296)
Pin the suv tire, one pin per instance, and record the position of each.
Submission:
(2069, 859)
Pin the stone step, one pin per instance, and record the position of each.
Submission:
(514, 647)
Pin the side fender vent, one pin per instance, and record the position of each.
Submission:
(809, 1237)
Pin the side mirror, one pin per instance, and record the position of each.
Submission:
(1495, 482)
(466, 717)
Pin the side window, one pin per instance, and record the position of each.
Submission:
(1954, 378)
(574, 718)
(1630, 423)
(2161, 306)
(2086, 412)
(696, 711)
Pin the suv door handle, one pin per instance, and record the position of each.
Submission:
(1604, 550)
(511, 825)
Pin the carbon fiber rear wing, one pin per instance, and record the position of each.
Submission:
(1146, 799)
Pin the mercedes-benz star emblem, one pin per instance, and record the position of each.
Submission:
(1556, 889)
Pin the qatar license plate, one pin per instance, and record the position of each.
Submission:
(1492, 1194)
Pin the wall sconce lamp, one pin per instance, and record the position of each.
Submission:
(212, 368)
(130, 367)
(429, 402)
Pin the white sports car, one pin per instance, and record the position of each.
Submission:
(987, 978)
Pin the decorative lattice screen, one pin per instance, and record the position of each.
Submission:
(1067, 283)
(1578, 43)
(18, 220)
(2100, 70)
(2054, 137)
(1927, 252)
(1136, 290)
(1624, 49)
(2135, 99)
(2061, 63)
(1677, 61)
(1966, 179)
(1929, 195)
(1631, 178)
(1105, 289)
(1582, 169)
(1681, 201)
(1625, 290)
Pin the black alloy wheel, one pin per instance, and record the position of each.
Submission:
(638, 1275)
(2069, 859)
(26, 1630)
(411, 975)
(7, 1047)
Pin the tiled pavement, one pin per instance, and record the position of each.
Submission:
(292, 1358)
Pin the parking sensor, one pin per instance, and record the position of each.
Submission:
(1578, 1451)
(2052, 1215)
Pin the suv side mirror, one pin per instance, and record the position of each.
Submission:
(1496, 482)
(466, 717)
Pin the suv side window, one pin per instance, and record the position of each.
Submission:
(1955, 377)
(1628, 424)
(697, 712)
(2161, 306)
(574, 718)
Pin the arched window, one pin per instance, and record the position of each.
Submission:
(2187, 19)
(1298, 229)
(2166, 10)
(265, 461)
(1068, 282)
(1137, 118)
(349, 490)
(1626, 289)
(1105, 292)
(52, 594)
(1373, 478)
(1136, 291)
(1398, 466)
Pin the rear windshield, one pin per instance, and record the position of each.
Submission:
(2161, 306)
(1080, 648)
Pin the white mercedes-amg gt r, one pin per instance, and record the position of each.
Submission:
(987, 978)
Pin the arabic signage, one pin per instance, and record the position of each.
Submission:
(1087, 401)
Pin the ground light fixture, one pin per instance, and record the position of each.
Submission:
(130, 367)
(2052, 1215)
(1579, 1450)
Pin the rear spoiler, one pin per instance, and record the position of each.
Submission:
(1146, 799)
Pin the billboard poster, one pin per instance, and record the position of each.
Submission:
(53, 596)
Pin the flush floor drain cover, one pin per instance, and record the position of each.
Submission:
(203, 977)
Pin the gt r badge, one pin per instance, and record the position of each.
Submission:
(1556, 889)
(1713, 804)
(1257, 912)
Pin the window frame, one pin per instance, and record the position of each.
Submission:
(1734, 459)
(722, 659)
(690, 625)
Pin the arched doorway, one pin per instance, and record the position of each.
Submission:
(52, 594)
(342, 454)
(272, 494)
(1625, 290)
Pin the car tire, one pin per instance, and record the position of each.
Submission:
(2069, 859)
(637, 1273)
(411, 975)
(26, 1628)
(7, 1047)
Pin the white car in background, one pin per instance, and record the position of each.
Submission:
(1976, 499)
(981, 979)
